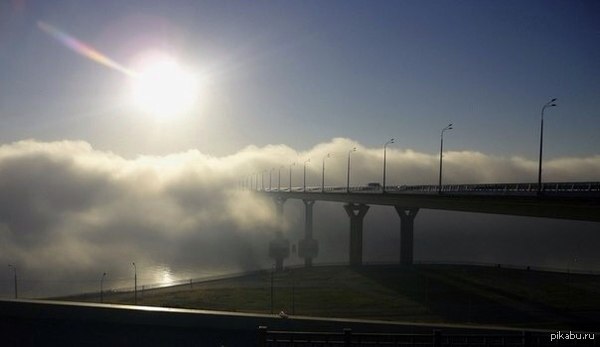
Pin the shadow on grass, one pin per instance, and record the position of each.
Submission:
(493, 295)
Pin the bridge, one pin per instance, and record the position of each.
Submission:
(562, 200)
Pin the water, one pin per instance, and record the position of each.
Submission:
(43, 285)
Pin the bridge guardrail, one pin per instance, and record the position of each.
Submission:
(479, 188)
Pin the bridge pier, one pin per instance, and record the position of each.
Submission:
(357, 213)
(279, 249)
(407, 221)
(308, 248)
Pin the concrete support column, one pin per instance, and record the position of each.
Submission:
(279, 249)
(308, 248)
(407, 221)
(357, 213)
(279, 201)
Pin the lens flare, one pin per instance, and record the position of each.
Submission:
(83, 49)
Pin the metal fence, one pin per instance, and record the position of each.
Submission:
(437, 338)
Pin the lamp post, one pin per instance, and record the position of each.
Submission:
(348, 173)
(448, 127)
(272, 291)
(270, 174)
(384, 160)
(256, 182)
(279, 178)
(292, 164)
(262, 180)
(15, 273)
(323, 174)
(134, 284)
(262, 184)
(304, 181)
(548, 104)
(102, 288)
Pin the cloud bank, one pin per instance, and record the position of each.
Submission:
(68, 212)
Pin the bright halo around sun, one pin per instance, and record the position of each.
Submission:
(163, 88)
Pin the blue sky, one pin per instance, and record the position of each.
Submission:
(302, 73)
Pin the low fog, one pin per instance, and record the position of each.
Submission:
(69, 213)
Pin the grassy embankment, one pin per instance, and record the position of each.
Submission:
(422, 293)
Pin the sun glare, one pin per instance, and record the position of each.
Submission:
(163, 88)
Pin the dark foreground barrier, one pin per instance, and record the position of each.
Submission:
(437, 338)
(53, 323)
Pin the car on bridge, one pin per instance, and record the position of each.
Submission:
(373, 186)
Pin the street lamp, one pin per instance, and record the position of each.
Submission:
(304, 182)
(262, 180)
(134, 284)
(15, 272)
(548, 104)
(102, 288)
(272, 291)
(323, 174)
(292, 164)
(256, 183)
(384, 159)
(348, 174)
(448, 127)
(270, 174)
(279, 178)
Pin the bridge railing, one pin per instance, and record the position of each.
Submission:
(483, 188)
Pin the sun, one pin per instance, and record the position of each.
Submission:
(163, 88)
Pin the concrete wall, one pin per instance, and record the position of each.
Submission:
(52, 323)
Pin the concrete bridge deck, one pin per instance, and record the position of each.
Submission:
(585, 208)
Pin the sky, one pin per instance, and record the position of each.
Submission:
(90, 182)
(302, 73)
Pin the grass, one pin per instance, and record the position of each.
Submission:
(421, 293)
